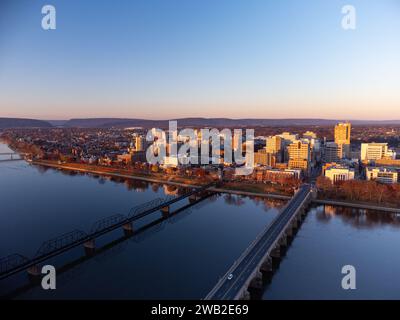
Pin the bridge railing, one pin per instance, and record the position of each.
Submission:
(107, 222)
(141, 208)
(60, 242)
(254, 242)
(12, 261)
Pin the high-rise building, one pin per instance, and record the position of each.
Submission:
(299, 155)
(332, 152)
(262, 157)
(139, 143)
(274, 145)
(342, 138)
(287, 139)
(343, 133)
(376, 151)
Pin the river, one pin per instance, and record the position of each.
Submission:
(183, 257)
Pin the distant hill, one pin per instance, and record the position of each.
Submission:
(23, 123)
(112, 122)
(57, 123)
(213, 122)
(183, 122)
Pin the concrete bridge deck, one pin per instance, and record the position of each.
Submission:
(246, 270)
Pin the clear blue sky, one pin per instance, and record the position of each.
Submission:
(212, 58)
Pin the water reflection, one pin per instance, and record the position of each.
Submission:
(358, 218)
(168, 189)
(73, 270)
(174, 256)
(331, 237)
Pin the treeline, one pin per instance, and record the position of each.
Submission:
(359, 190)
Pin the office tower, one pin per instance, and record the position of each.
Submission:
(274, 146)
(262, 157)
(343, 133)
(299, 155)
(287, 139)
(376, 151)
(332, 152)
(342, 138)
(139, 143)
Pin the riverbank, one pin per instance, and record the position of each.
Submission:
(112, 172)
(357, 205)
(175, 181)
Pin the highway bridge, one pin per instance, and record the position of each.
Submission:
(246, 271)
(16, 263)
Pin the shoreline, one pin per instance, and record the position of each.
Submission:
(368, 206)
(155, 180)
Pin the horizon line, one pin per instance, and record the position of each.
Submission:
(204, 118)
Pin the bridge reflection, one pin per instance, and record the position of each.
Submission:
(73, 269)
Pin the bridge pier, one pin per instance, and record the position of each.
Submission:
(267, 265)
(295, 224)
(128, 228)
(193, 198)
(90, 247)
(34, 272)
(283, 241)
(289, 231)
(257, 281)
(276, 252)
(245, 295)
(165, 211)
(274, 240)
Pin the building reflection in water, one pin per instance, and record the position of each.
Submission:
(358, 218)
(171, 190)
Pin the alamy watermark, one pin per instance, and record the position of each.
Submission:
(49, 18)
(349, 280)
(349, 19)
(207, 141)
(49, 278)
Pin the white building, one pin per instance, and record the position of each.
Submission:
(376, 151)
(288, 138)
(170, 161)
(382, 174)
(339, 173)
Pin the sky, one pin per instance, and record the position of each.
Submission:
(164, 59)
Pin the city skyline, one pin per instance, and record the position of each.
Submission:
(176, 60)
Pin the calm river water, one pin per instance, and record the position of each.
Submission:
(183, 257)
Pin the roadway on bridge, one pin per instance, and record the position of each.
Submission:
(229, 289)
